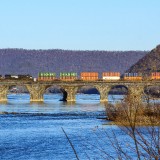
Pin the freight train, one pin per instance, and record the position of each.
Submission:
(94, 76)
(84, 76)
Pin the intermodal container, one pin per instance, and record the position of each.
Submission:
(110, 75)
(68, 76)
(46, 76)
(132, 76)
(89, 76)
(155, 75)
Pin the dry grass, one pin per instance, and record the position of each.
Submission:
(133, 112)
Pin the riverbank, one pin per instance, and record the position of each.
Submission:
(133, 113)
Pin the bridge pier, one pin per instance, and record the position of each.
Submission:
(103, 91)
(135, 93)
(3, 93)
(71, 93)
(36, 92)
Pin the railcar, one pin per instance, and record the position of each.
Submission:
(89, 76)
(155, 76)
(46, 76)
(113, 76)
(132, 76)
(68, 76)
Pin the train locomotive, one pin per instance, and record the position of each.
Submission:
(16, 77)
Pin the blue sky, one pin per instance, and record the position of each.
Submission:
(80, 24)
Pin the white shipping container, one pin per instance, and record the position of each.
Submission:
(111, 77)
(35, 79)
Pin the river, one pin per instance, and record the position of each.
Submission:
(35, 131)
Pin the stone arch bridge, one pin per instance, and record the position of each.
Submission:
(37, 89)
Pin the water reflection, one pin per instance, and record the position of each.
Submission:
(21, 103)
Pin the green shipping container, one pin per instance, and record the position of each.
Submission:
(40, 74)
(68, 74)
(52, 74)
(73, 74)
(47, 74)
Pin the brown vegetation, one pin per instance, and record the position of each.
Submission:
(141, 122)
(131, 112)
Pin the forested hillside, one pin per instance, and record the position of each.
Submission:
(21, 61)
(149, 63)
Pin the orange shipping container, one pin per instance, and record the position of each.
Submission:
(111, 74)
(89, 78)
(155, 77)
(68, 78)
(89, 74)
(46, 78)
(132, 78)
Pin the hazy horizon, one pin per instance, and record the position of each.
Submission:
(76, 49)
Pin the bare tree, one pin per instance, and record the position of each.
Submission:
(141, 122)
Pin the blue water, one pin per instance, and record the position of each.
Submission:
(34, 131)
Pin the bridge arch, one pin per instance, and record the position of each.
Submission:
(6, 90)
(86, 89)
(117, 92)
(102, 90)
(20, 91)
(19, 88)
(151, 92)
(56, 89)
